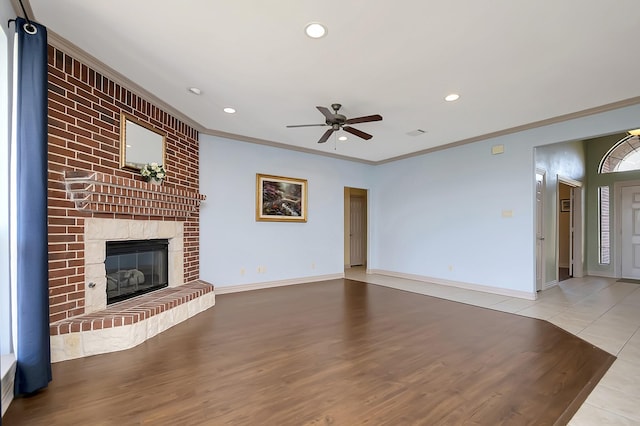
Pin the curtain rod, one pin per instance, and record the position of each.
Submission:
(29, 27)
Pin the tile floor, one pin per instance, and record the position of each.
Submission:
(599, 310)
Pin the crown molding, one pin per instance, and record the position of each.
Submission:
(273, 144)
(65, 45)
(99, 66)
(536, 124)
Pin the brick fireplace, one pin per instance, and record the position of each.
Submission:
(92, 200)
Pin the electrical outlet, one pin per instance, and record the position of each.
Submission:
(450, 268)
(242, 271)
(313, 265)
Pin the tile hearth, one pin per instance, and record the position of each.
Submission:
(126, 324)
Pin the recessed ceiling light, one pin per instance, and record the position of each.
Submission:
(342, 138)
(635, 132)
(195, 91)
(315, 30)
(452, 97)
(229, 110)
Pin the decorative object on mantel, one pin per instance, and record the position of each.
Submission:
(153, 172)
(101, 193)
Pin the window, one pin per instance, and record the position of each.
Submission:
(5, 292)
(603, 225)
(623, 156)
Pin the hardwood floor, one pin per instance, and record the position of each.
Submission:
(337, 352)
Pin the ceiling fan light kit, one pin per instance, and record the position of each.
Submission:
(338, 121)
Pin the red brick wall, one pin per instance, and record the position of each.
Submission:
(84, 135)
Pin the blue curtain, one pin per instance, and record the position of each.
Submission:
(33, 350)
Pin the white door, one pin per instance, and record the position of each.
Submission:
(540, 181)
(630, 218)
(357, 246)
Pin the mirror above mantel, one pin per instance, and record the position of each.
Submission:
(140, 143)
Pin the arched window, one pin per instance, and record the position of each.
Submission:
(623, 156)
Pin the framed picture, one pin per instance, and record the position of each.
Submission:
(281, 199)
(565, 205)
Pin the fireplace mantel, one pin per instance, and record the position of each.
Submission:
(97, 192)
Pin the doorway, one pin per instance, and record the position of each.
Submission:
(355, 227)
(565, 234)
(569, 258)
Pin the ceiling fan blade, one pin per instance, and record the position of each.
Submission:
(306, 125)
(366, 119)
(325, 111)
(326, 136)
(358, 133)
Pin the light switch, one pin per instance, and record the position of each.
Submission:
(497, 149)
(507, 213)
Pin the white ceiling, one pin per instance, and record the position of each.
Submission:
(514, 63)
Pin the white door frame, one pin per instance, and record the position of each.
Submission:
(539, 232)
(617, 223)
(576, 231)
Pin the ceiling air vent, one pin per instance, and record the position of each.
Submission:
(417, 132)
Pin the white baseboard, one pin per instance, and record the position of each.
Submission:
(468, 286)
(8, 378)
(269, 284)
(603, 274)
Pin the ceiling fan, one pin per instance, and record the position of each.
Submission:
(339, 121)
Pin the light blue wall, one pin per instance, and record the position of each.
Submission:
(232, 240)
(445, 208)
(441, 215)
(425, 213)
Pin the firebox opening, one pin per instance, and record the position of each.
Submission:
(135, 267)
